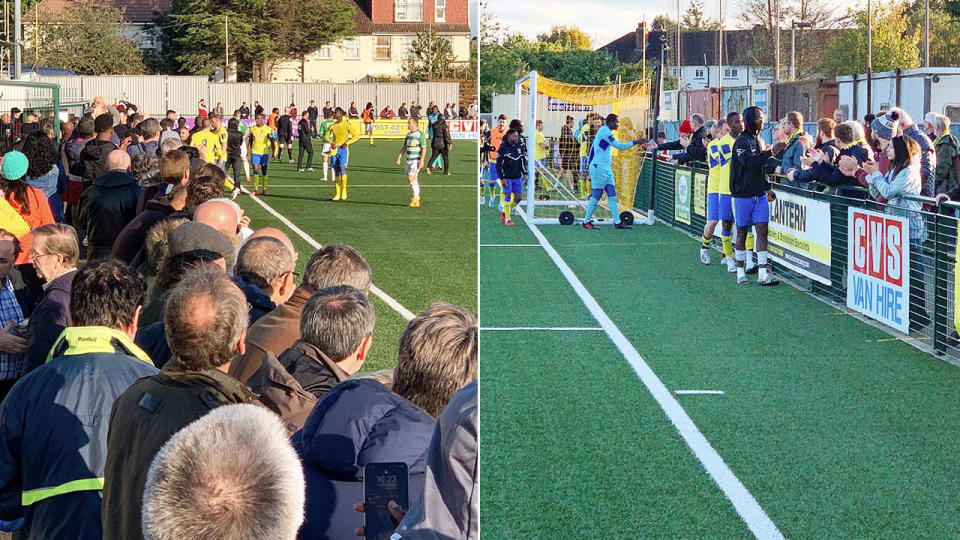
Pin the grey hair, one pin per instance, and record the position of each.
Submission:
(857, 127)
(230, 474)
(438, 356)
(941, 124)
(337, 264)
(204, 318)
(697, 117)
(262, 261)
(336, 320)
(169, 144)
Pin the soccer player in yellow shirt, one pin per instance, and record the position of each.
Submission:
(260, 139)
(341, 135)
(207, 142)
(221, 132)
(719, 203)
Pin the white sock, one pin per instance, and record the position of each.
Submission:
(416, 188)
(762, 274)
(749, 257)
(326, 167)
(762, 258)
(739, 255)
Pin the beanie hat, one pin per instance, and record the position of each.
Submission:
(885, 126)
(930, 117)
(14, 165)
(685, 127)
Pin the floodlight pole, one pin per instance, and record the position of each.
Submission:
(531, 146)
(869, 58)
(16, 40)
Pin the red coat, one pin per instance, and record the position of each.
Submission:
(40, 214)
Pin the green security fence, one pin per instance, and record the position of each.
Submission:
(933, 293)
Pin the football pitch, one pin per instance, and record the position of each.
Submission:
(816, 425)
(418, 255)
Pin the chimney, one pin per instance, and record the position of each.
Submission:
(638, 37)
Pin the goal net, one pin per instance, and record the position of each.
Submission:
(558, 184)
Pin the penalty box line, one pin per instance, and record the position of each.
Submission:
(389, 300)
(743, 502)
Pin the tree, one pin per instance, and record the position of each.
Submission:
(430, 56)
(759, 16)
(894, 44)
(568, 37)
(944, 30)
(100, 49)
(694, 19)
(300, 27)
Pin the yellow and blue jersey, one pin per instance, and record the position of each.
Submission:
(342, 133)
(261, 136)
(719, 154)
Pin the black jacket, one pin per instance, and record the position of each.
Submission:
(47, 322)
(303, 130)
(244, 112)
(93, 160)
(106, 208)
(313, 113)
(747, 178)
(696, 150)
(152, 338)
(441, 135)
(415, 111)
(130, 243)
(234, 142)
(284, 126)
(258, 110)
(327, 112)
(143, 418)
(511, 160)
(402, 113)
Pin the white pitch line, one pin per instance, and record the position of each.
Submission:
(510, 245)
(743, 502)
(541, 329)
(352, 186)
(698, 392)
(389, 300)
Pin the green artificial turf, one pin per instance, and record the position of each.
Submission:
(837, 430)
(418, 255)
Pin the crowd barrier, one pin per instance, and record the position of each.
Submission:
(853, 252)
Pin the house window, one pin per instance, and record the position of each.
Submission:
(698, 73)
(673, 71)
(409, 11)
(408, 45)
(381, 48)
(323, 53)
(351, 48)
(441, 14)
(730, 73)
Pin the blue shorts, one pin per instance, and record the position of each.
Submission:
(514, 185)
(340, 160)
(260, 159)
(751, 210)
(493, 172)
(719, 207)
(600, 177)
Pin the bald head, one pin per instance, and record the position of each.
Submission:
(118, 160)
(219, 215)
(272, 232)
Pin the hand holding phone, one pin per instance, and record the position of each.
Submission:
(383, 483)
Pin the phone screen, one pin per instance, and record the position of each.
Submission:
(382, 483)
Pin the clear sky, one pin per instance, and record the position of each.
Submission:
(602, 20)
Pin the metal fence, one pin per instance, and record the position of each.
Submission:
(931, 261)
(155, 94)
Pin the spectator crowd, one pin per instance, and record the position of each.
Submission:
(165, 372)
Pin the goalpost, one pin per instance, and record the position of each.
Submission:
(558, 188)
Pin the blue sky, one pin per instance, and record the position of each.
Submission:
(602, 20)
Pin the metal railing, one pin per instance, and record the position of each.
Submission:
(932, 260)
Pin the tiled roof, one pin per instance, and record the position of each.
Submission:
(366, 26)
(137, 11)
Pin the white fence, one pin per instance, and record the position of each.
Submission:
(155, 94)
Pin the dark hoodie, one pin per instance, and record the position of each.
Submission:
(359, 421)
(93, 160)
(511, 159)
(260, 303)
(747, 178)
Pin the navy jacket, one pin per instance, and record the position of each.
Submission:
(48, 321)
(359, 421)
(53, 433)
(260, 303)
(152, 338)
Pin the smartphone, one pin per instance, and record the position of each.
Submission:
(382, 483)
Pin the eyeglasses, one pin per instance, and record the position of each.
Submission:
(34, 255)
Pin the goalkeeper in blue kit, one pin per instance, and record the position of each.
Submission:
(601, 173)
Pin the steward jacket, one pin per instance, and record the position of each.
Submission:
(53, 432)
(511, 161)
(291, 384)
(142, 420)
(359, 421)
(747, 178)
